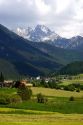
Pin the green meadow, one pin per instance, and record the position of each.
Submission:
(13, 116)
(58, 110)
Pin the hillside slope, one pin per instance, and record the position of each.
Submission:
(26, 59)
(63, 56)
(72, 68)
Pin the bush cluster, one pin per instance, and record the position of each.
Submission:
(69, 87)
(71, 98)
(7, 99)
(41, 98)
(24, 92)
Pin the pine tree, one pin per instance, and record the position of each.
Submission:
(1, 77)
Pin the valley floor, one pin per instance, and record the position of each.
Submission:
(57, 111)
(40, 118)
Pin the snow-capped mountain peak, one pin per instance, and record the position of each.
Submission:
(40, 33)
(24, 32)
(43, 29)
(20, 31)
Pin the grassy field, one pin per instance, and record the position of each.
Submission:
(67, 82)
(42, 123)
(38, 118)
(58, 101)
(55, 93)
(7, 91)
(57, 111)
(74, 79)
(45, 91)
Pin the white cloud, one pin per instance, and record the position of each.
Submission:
(43, 8)
(60, 7)
(64, 16)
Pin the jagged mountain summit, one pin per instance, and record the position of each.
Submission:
(42, 33)
(76, 42)
(24, 32)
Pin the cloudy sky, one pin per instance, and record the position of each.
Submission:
(65, 17)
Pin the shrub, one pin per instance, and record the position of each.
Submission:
(58, 87)
(36, 83)
(15, 99)
(81, 87)
(69, 88)
(24, 92)
(7, 99)
(77, 85)
(42, 83)
(71, 98)
(41, 98)
(78, 90)
(4, 99)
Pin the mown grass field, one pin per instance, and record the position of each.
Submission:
(55, 93)
(57, 111)
(38, 118)
(42, 123)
